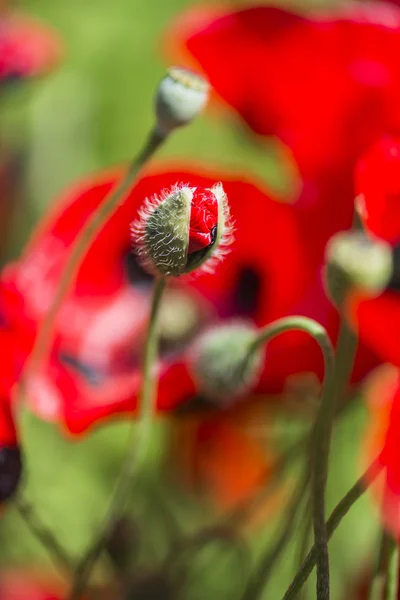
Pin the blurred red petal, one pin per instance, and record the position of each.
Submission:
(325, 107)
(28, 48)
(378, 186)
(383, 440)
(375, 320)
(217, 457)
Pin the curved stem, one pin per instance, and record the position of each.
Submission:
(321, 436)
(85, 238)
(333, 522)
(313, 328)
(137, 449)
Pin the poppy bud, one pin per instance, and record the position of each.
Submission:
(223, 363)
(181, 96)
(182, 229)
(10, 471)
(356, 262)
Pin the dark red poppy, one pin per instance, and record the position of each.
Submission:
(327, 106)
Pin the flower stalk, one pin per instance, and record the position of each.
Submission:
(339, 512)
(82, 244)
(136, 452)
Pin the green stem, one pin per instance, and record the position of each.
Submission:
(257, 583)
(313, 328)
(304, 543)
(322, 434)
(137, 450)
(379, 577)
(333, 522)
(55, 550)
(391, 591)
(85, 238)
(333, 389)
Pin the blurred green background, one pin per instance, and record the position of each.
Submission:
(93, 112)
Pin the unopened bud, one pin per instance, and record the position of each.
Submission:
(224, 363)
(10, 471)
(356, 262)
(182, 229)
(181, 96)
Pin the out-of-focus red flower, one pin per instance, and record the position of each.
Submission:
(100, 327)
(273, 270)
(27, 47)
(10, 453)
(23, 584)
(327, 106)
(378, 189)
(203, 446)
(382, 440)
(377, 319)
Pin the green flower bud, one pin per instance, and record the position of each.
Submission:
(356, 262)
(181, 96)
(222, 363)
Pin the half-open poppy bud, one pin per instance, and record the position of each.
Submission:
(181, 96)
(356, 262)
(223, 363)
(182, 230)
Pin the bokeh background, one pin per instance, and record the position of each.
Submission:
(90, 113)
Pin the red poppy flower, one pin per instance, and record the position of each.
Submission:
(93, 374)
(327, 106)
(377, 319)
(378, 188)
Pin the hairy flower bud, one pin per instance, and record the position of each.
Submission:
(181, 96)
(355, 261)
(182, 229)
(221, 363)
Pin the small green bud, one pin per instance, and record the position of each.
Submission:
(356, 262)
(181, 96)
(222, 363)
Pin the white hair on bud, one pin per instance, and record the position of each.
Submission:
(139, 233)
(168, 248)
(226, 229)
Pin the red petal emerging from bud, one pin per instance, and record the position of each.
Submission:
(203, 219)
